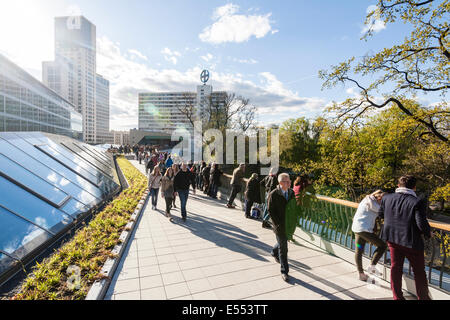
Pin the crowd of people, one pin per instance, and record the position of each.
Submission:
(404, 215)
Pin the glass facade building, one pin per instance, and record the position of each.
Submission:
(28, 105)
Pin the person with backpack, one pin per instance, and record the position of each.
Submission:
(252, 194)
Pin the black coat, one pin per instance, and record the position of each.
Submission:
(269, 183)
(252, 192)
(404, 220)
(214, 176)
(276, 204)
(183, 179)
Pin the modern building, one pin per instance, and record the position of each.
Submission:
(121, 137)
(102, 111)
(73, 75)
(28, 105)
(152, 138)
(166, 111)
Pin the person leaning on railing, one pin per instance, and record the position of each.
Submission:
(363, 227)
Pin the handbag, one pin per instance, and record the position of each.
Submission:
(256, 212)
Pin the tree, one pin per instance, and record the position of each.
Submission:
(418, 65)
(299, 142)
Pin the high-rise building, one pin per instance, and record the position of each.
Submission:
(163, 111)
(102, 111)
(73, 74)
(28, 105)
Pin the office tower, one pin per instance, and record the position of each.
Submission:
(73, 74)
(102, 111)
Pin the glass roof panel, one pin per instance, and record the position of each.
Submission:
(71, 165)
(16, 232)
(31, 208)
(50, 163)
(24, 177)
(74, 208)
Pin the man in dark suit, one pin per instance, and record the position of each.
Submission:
(404, 224)
(276, 203)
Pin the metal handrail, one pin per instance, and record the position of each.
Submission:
(332, 218)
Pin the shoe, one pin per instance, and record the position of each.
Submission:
(372, 270)
(285, 277)
(184, 219)
(167, 215)
(266, 225)
(248, 217)
(363, 277)
(277, 259)
(230, 206)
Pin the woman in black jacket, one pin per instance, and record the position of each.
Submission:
(252, 194)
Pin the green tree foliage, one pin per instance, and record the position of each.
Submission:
(299, 142)
(419, 64)
(371, 155)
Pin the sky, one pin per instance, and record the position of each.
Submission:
(267, 51)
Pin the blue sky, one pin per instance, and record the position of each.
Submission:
(268, 51)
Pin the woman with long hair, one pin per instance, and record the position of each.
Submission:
(167, 190)
(154, 182)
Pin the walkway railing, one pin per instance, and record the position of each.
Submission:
(331, 219)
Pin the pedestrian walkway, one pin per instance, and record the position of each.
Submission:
(219, 254)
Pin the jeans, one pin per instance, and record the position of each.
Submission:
(234, 191)
(248, 207)
(360, 239)
(280, 250)
(266, 211)
(213, 190)
(184, 194)
(154, 194)
(417, 261)
(168, 204)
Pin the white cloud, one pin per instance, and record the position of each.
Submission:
(374, 23)
(208, 57)
(129, 77)
(245, 61)
(170, 55)
(232, 27)
(138, 54)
